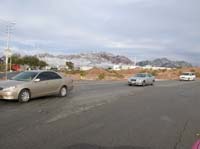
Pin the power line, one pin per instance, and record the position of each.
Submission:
(9, 27)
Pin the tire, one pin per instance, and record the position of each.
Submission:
(153, 82)
(63, 91)
(24, 96)
(130, 84)
(143, 83)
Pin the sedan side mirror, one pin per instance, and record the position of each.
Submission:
(37, 80)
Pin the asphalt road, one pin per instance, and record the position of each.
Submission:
(106, 115)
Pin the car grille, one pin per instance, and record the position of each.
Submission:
(1, 88)
(133, 79)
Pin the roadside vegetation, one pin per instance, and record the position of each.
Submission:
(101, 76)
(153, 72)
(107, 74)
(31, 61)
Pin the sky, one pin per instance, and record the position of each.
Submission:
(145, 29)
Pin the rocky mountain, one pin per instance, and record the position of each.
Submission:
(101, 59)
(164, 62)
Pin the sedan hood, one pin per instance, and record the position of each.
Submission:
(136, 78)
(185, 76)
(9, 83)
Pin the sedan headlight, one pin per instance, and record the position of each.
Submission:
(9, 88)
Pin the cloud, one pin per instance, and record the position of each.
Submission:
(142, 28)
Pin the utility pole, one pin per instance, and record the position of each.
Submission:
(7, 47)
(135, 61)
(7, 51)
(9, 28)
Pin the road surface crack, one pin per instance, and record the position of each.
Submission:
(181, 134)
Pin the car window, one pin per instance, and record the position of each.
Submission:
(25, 76)
(43, 76)
(142, 75)
(149, 75)
(48, 76)
(53, 76)
(186, 74)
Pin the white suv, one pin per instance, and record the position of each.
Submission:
(187, 76)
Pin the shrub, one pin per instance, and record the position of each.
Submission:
(143, 71)
(198, 74)
(119, 75)
(101, 76)
(163, 70)
(2, 67)
(70, 65)
(154, 73)
(180, 72)
(82, 73)
(71, 71)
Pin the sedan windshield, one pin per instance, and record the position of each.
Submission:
(140, 75)
(25, 76)
(185, 74)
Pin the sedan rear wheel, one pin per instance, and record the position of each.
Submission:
(63, 91)
(24, 96)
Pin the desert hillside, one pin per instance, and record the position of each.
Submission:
(102, 74)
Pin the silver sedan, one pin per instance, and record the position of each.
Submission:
(141, 79)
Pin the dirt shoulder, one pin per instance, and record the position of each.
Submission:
(102, 74)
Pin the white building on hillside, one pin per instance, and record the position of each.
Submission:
(85, 68)
(156, 68)
(116, 67)
(127, 67)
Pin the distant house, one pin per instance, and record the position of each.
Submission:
(123, 67)
(155, 68)
(85, 68)
(23, 67)
(47, 68)
(147, 67)
(116, 67)
(62, 67)
(127, 67)
(16, 67)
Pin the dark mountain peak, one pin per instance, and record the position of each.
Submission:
(164, 62)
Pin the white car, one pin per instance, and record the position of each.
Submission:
(187, 76)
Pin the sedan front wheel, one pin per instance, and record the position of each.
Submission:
(143, 83)
(24, 96)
